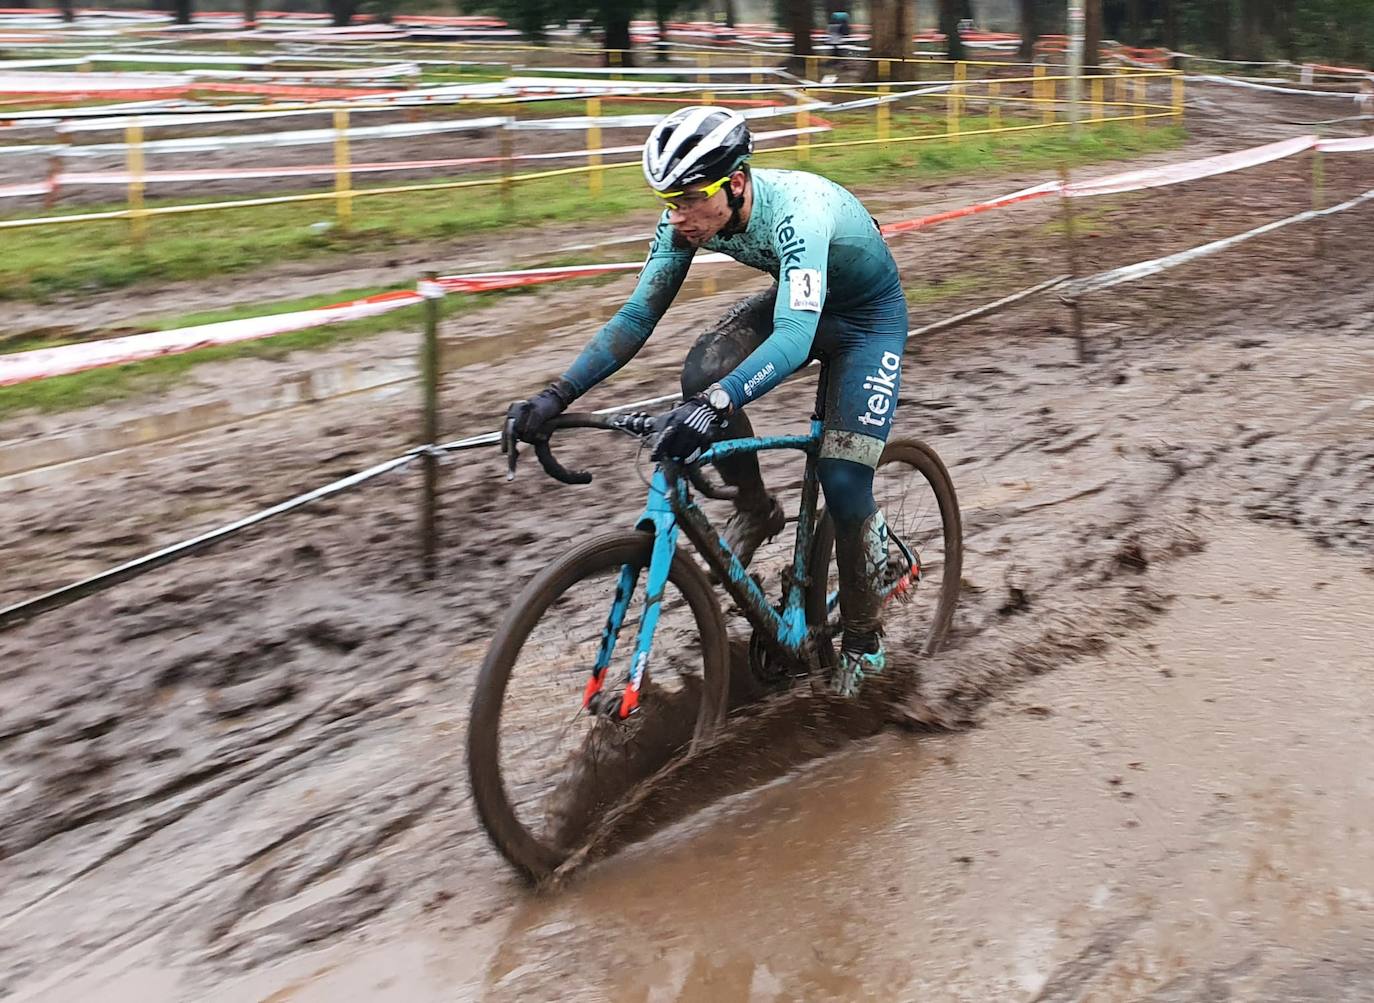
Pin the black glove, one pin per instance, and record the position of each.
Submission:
(524, 419)
(688, 429)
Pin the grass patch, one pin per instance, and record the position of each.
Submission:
(925, 293)
(56, 260)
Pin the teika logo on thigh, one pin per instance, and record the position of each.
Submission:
(883, 383)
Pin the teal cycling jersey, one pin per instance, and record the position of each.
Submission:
(813, 236)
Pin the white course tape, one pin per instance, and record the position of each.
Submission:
(646, 121)
(1142, 269)
(1232, 82)
(299, 137)
(312, 76)
(24, 366)
(1356, 144)
(80, 83)
(17, 191)
(1191, 170)
(72, 178)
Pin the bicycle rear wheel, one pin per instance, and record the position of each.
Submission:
(916, 495)
(542, 769)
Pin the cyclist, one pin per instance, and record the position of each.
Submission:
(837, 297)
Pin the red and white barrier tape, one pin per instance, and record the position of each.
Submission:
(1172, 174)
(23, 367)
(1142, 269)
(72, 178)
(42, 363)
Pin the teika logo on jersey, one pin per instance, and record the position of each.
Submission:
(883, 383)
(790, 246)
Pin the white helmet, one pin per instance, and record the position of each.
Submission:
(694, 145)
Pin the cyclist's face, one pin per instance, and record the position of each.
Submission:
(697, 217)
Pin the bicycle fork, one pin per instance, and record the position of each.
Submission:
(659, 515)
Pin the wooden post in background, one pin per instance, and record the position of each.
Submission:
(883, 111)
(429, 432)
(343, 180)
(138, 220)
(594, 143)
(1071, 247)
(1318, 203)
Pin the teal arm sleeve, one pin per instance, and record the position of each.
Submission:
(803, 250)
(625, 333)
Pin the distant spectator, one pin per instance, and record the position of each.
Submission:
(838, 28)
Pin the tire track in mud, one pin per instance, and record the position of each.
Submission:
(148, 725)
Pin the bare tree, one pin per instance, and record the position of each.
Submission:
(1171, 39)
(800, 18)
(892, 24)
(1092, 36)
(1030, 30)
(341, 12)
(949, 27)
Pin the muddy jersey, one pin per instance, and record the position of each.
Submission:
(814, 237)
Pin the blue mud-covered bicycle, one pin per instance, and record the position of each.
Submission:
(626, 627)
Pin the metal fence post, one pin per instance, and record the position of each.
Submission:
(1075, 310)
(343, 180)
(429, 370)
(133, 143)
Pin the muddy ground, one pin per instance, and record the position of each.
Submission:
(241, 777)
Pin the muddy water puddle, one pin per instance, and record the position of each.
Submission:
(1190, 809)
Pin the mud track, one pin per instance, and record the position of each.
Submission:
(256, 753)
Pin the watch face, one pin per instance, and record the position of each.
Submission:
(718, 398)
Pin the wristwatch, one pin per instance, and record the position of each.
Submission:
(718, 398)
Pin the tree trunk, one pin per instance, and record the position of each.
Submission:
(1133, 34)
(1285, 33)
(661, 10)
(183, 11)
(341, 12)
(1221, 27)
(1092, 36)
(892, 29)
(1030, 30)
(68, 8)
(1171, 40)
(615, 21)
(1251, 32)
(949, 27)
(730, 13)
(250, 14)
(800, 15)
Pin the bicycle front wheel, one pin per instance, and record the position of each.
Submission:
(543, 769)
(914, 491)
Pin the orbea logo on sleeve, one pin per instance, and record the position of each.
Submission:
(757, 378)
(883, 383)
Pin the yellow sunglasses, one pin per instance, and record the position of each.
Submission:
(674, 200)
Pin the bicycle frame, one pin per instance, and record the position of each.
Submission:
(670, 510)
